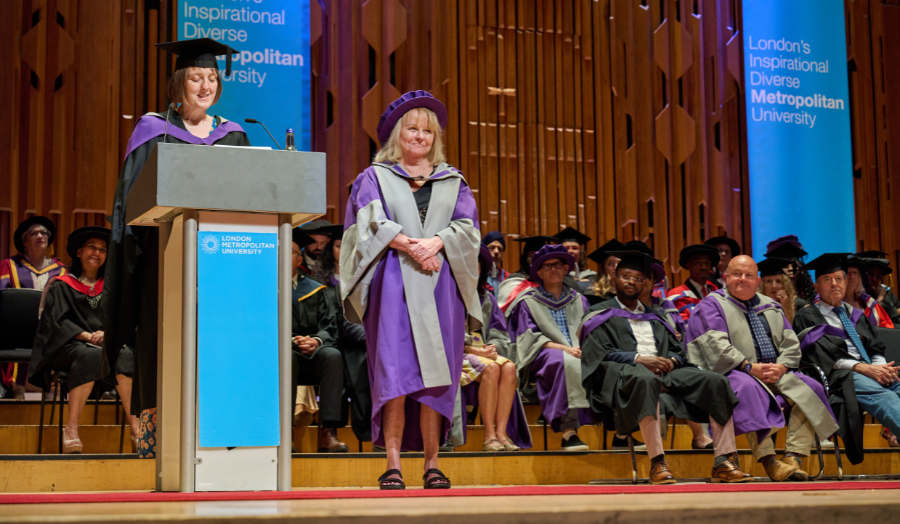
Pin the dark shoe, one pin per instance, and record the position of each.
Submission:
(660, 474)
(385, 482)
(729, 472)
(695, 446)
(799, 475)
(621, 444)
(438, 481)
(574, 444)
(378, 449)
(446, 448)
(329, 443)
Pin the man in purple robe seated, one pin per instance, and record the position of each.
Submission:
(745, 336)
(543, 326)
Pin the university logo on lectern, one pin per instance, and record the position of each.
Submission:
(210, 244)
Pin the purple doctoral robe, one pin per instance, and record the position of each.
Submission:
(375, 285)
(558, 374)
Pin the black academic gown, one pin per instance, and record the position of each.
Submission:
(824, 352)
(351, 341)
(891, 305)
(132, 278)
(614, 382)
(67, 313)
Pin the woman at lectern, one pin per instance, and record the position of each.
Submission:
(409, 271)
(70, 332)
(130, 309)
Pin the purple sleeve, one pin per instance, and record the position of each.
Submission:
(465, 206)
(497, 320)
(707, 316)
(585, 305)
(365, 189)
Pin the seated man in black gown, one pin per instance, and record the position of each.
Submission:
(630, 355)
(316, 361)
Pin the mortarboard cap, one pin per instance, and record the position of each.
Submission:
(772, 266)
(570, 234)
(199, 52)
(600, 254)
(872, 253)
(300, 238)
(691, 251)
(637, 245)
(534, 243)
(730, 242)
(827, 264)
(881, 263)
(637, 260)
(319, 227)
(788, 246)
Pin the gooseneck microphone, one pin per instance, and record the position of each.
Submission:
(254, 121)
(168, 109)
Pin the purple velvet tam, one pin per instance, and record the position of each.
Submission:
(399, 107)
(789, 244)
(485, 256)
(546, 253)
(659, 273)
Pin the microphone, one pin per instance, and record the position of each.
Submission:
(170, 108)
(254, 121)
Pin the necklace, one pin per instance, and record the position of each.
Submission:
(93, 300)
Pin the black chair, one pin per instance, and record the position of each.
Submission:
(18, 324)
(816, 373)
(891, 339)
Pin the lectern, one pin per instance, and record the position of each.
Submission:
(226, 216)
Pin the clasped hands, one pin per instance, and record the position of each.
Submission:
(884, 374)
(657, 365)
(307, 345)
(422, 250)
(95, 338)
(489, 351)
(768, 373)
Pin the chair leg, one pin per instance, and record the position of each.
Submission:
(634, 475)
(821, 460)
(41, 426)
(62, 384)
(55, 387)
(122, 431)
(672, 438)
(545, 434)
(97, 407)
(837, 457)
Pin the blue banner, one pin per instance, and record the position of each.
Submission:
(237, 339)
(798, 124)
(270, 80)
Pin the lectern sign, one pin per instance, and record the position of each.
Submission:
(237, 339)
(798, 124)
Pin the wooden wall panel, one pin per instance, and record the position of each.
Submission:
(72, 85)
(624, 118)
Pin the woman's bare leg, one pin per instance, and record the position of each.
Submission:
(506, 397)
(487, 399)
(124, 389)
(77, 399)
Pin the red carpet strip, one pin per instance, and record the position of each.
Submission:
(71, 498)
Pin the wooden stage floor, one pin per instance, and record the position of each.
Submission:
(796, 507)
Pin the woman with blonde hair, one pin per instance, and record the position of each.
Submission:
(603, 286)
(409, 274)
(775, 284)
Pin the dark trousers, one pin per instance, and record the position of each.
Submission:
(326, 370)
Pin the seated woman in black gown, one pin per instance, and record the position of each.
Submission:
(70, 332)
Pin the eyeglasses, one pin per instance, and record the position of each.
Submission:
(554, 265)
(41, 232)
(633, 280)
(297, 254)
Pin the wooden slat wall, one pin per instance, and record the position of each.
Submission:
(72, 83)
(620, 117)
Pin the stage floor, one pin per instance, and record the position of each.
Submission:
(813, 506)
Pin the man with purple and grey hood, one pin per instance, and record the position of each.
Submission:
(543, 326)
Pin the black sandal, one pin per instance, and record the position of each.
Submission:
(435, 481)
(385, 482)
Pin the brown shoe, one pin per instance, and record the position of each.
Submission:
(329, 443)
(660, 474)
(799, 475)
(778, 471)
(729, 472)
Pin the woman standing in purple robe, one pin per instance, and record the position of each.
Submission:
(409, 271)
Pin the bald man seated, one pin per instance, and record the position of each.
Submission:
(745, 336)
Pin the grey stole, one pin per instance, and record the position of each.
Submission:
(425, 322)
